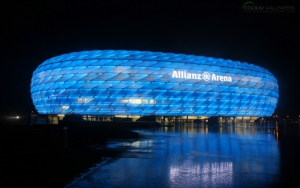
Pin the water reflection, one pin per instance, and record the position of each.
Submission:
(203, 174)
(195, 155)
(214, 155)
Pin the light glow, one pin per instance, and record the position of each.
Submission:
(120, 82)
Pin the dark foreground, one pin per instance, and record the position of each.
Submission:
(241, 155)
(51, 156)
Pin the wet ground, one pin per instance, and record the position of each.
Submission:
(241, 155)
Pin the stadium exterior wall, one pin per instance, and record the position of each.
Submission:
(120, 82)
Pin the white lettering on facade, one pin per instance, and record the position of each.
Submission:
(205, 76)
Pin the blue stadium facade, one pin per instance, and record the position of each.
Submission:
(120, 82)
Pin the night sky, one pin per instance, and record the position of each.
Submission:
(32, 32)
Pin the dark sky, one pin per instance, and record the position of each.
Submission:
(32, 32)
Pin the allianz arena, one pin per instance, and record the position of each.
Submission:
(121, 82)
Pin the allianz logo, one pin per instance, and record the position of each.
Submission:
(204, 76)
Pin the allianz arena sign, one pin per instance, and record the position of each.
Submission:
(204, 76)
(122, 82)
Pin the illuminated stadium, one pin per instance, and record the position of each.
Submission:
(128, 83)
